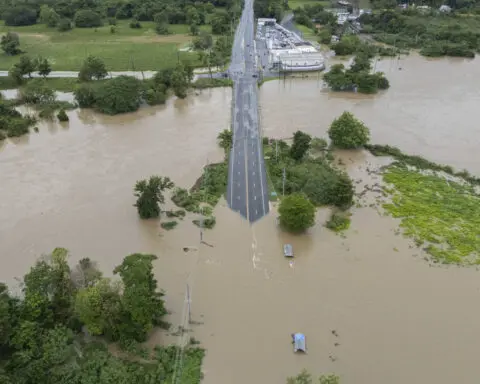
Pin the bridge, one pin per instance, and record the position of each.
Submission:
(247, 191)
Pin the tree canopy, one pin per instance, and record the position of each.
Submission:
(297, 213)
(45, 336)
(348, 132)
(149, 195)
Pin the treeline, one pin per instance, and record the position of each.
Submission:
(269, 8)
(56, 330)
(63, 14)
(435, 35)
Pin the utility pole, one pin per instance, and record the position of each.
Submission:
(283, 183)
(188, 305)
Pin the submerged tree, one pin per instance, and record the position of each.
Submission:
(149, 195)
(297, 213)
(225, 139)
(348, 132)
(300, 146)
(142, 304)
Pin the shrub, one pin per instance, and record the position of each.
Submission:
(10, 44)
(155, 96)
(348, 132)
(85, 95)
(87, 18)
(296, 213)
(37, 91)
(338, 221)
(64, 25)
(135, 24)
(62, 115)
(118, 95)
(168, 225)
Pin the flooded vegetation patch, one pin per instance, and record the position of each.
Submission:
(205, 194)
(441, 214)
(63, 325)
(12, 122)
(206, 82)
(168, 225)
(419, 162)
(338, 221)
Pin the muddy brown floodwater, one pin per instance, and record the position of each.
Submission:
(397, 318)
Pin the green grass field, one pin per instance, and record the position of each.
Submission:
(126, 49)
(300, 3)
(307, 33)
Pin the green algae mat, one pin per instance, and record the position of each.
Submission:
(439, 214)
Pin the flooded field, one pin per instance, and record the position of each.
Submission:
(397, 318)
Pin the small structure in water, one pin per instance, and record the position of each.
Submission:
(299, 344)
(288, 250)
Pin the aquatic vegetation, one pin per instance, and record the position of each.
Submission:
(438, 213)
(168, 225)
(338, 221)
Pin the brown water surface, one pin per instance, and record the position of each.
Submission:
(397, 318)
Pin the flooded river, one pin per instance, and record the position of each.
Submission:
(397, 318)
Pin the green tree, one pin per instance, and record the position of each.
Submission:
(121, 94)
(43, 66)
(348, 132)
(48, 16)
(10, 44)
(48, 290)
(180, 81)
(149, 195)
(161, 23)
(92, 68)
(296, 213)
(300, 146)
(98, 306)
(27, 65)
(194, 29)
(64, 25)
(203, 41)
(86, 18)
(85, 95)
(225, 139)
(142, 304)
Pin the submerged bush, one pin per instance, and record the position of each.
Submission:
(338, 221)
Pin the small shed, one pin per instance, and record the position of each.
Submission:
(288, 250)
(299, 344)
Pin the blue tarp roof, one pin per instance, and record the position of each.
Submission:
(299, 339)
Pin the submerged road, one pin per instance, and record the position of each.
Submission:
(247, 191)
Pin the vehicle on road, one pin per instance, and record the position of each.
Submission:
(288, 250)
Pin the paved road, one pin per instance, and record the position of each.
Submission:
(247, 191)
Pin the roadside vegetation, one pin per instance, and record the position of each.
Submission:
(133, 36)
(58, 330)
(438, 207)
(304, 172)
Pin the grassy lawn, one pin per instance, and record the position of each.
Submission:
(127, 49)
(300, 3)
(307, 33)
(441, 215)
